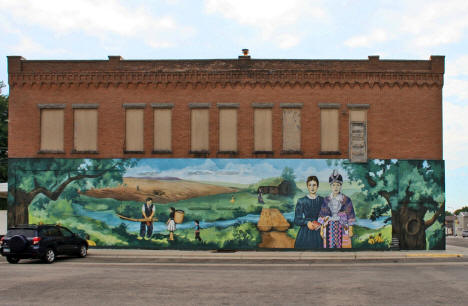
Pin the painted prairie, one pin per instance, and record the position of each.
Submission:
(161, 191)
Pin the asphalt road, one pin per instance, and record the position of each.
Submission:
(457, 241)
(74, 281)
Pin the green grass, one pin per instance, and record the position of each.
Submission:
(271, 181)
(62, 213)
(207, 208)
(361, 237)
(244, 236)
(219, 207)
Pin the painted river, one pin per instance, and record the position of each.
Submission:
(111, 219)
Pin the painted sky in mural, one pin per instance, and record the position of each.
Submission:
(240, 171)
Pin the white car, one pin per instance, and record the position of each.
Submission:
(465, 233)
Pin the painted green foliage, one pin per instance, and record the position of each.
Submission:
(89, 195)
(54, 178)
(411, 190)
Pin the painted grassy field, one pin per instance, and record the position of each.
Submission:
(363, 238)
(205, 208)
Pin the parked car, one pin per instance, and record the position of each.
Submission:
(44, 242)
(465, 233)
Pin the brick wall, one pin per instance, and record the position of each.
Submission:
(404, 97)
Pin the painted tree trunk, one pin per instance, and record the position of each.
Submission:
(18, 212)
(412, 229)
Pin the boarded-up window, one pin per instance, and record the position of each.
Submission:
(358, 135)
(52, 130)
(262, 129)
(200, 130)
(227, 129)
(162, 129)
(291, 129)
(329, 130)
(86, 123)
(134, 126)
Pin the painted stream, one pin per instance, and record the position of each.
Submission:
(111, 219)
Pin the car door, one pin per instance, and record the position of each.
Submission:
(69, 241)
(57, 239)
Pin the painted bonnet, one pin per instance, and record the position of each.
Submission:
(335, 177)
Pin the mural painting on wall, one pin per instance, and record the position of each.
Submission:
(234, 203)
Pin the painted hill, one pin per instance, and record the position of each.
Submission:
(162, 191)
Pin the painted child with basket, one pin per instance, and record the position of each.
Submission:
(171, 225)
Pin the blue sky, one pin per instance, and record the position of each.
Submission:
(240, 171)
(176, 29)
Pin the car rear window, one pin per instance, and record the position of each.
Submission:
(22, 231)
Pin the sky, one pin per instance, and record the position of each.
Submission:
(239, 171)
(305, 29)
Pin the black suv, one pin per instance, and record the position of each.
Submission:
(44, 242)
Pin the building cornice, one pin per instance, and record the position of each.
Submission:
(117, 72)
(223, 79)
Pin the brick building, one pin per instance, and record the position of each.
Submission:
(209, 108)
(371, 112)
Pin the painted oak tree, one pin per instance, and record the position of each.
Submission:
(53, 178)
(408, 189)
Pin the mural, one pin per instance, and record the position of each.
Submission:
(295, 204)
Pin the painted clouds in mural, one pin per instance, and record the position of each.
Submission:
(214, 203)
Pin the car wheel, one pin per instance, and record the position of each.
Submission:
(12, 260)
(49, 256)
(83, 251)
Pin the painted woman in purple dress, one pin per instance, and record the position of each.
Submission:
(337, 216)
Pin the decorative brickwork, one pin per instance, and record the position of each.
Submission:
(404, 101)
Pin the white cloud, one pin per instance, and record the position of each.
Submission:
(275, 19)
(457, 67)
(435, 23)
(141, 171)
(288, 41)
(94, 18)
(456, 78)
(418, 23)
(375, 36)
(26, 45)
(456, 88)
(209, 171)
(455, 135)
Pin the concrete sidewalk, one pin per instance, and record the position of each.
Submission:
(452, 253)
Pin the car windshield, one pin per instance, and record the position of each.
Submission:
(27, 232)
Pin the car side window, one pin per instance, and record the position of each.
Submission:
(44, 232)
(54, 232)
(66, 233)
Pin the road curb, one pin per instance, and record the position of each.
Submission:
(433, 255)
(175, 256)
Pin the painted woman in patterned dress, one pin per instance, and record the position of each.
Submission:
(307, 211)
(337, 216)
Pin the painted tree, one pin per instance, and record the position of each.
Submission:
(54, 178)
(409, 190)
(288, 175)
